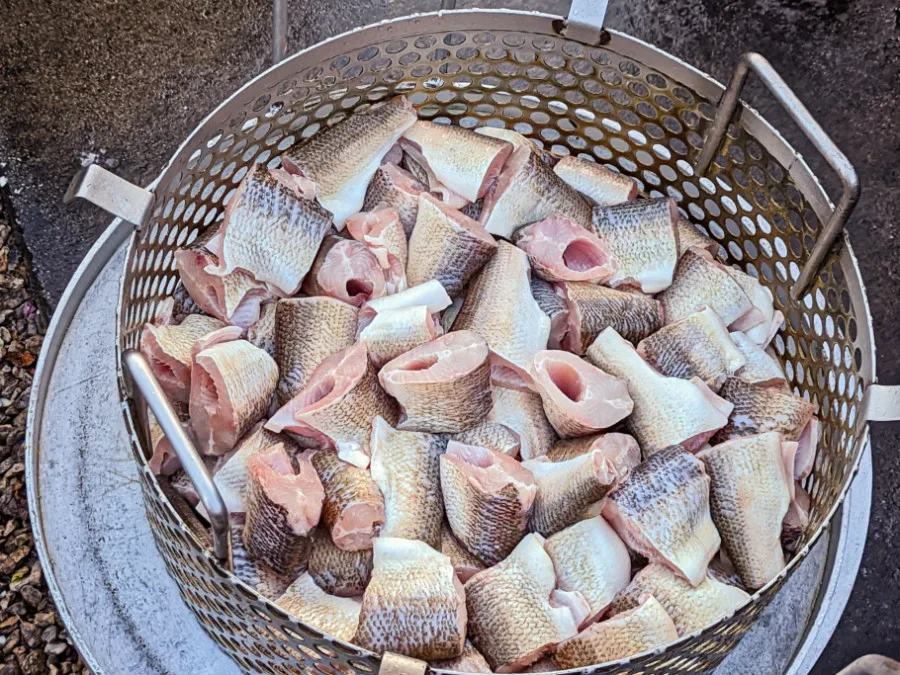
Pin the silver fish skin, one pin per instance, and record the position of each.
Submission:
(488, 498)
(758, 409)
(470, 661)
(353, 506)
(307, 331)
(763, 321)
(395, 332)
(642, 240)
(283, 506)
(553, 304)
(521, 591)
(702, 282)
(414, 604)
(698, 346)
(336, 571)
(749, 498)
(464, 563)
(621, 449)
(329, 614)
(447, 246)
(235, 298)
(667, 410)
(231, 386)
(493, 436)
(431, 294)
(662, 512)
(692, 608)
(499, 307)
(795, 522)
(395, 188)
(637, 630)
(342, 159)
(589, 558)
(262, 332)
(270, 232)
(442, 386)
(603, 186)
(760, 367)
(167, 349)
(527, 191)
(690, 237)
(517, 140)
(592, 308)
(255, 573)
(566, 489)
(337, 406)
(464, 161)
(232, 472)
(523, 412)
(406, 467)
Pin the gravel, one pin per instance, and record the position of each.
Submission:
(33, 639)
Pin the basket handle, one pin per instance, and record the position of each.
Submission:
(147, 390)
(836, 159)
(111, 193)
(583, 23)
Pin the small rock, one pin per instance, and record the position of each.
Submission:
(10, 669)
(11, 643)
(30, 633)
(45, 619)
(56, 648)
(33, 664)
(49, 634)
(31, 595)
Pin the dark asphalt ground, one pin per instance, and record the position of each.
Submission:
(122, 83)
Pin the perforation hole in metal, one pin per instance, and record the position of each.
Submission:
(571, 99)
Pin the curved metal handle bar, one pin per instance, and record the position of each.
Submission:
(836, 159)
(146, 390)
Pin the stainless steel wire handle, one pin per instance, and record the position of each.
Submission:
(836, 159)
(146, 390)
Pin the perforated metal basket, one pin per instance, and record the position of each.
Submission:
(576, 89)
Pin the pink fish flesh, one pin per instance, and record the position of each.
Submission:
(348, 271)
(561, 250)
(234, 298)
(382, 232)
(579, 398)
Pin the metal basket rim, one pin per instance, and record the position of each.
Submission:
(626, 45)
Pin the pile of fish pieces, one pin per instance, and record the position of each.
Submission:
(475, 404)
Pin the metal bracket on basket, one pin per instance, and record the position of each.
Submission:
(801, 116)
(584, 22)
(146, 390)
(882, 403)
(111, 193)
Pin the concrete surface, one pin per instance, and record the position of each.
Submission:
(123, 83)
(129, 614)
